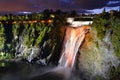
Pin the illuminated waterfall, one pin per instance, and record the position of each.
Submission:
(72, 41)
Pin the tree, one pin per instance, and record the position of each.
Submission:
(119, 9)
(58, 12)
(46, 13)
(104, 10)
(73, 13)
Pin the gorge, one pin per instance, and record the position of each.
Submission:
(32, 50)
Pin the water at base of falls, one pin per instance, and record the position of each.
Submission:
(24, 71)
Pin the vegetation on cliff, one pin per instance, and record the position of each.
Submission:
(38, 33)
(109, 21)
(103, 24)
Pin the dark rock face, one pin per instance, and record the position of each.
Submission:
(8, 35)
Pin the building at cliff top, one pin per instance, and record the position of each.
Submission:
(79, 21)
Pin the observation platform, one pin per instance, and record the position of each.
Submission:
(77, 22)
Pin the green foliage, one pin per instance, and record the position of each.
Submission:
(4, 56)
(114, 73)
(30, 38)
(16, 29)
(2, 38)
(42, 33)
(29, 31)
(103, 22)
(99, 25)
(115, 23)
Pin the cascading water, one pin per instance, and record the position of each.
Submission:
(72, 41)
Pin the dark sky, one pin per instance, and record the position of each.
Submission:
(39, 5)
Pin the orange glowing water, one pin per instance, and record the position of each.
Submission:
(72, 41)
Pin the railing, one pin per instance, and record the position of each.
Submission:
(29, 21)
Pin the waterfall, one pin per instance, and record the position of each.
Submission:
(72, 41)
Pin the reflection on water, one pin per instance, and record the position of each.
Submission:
(26, 71)
(20, 71)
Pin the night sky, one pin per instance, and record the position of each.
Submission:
(94, 6)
